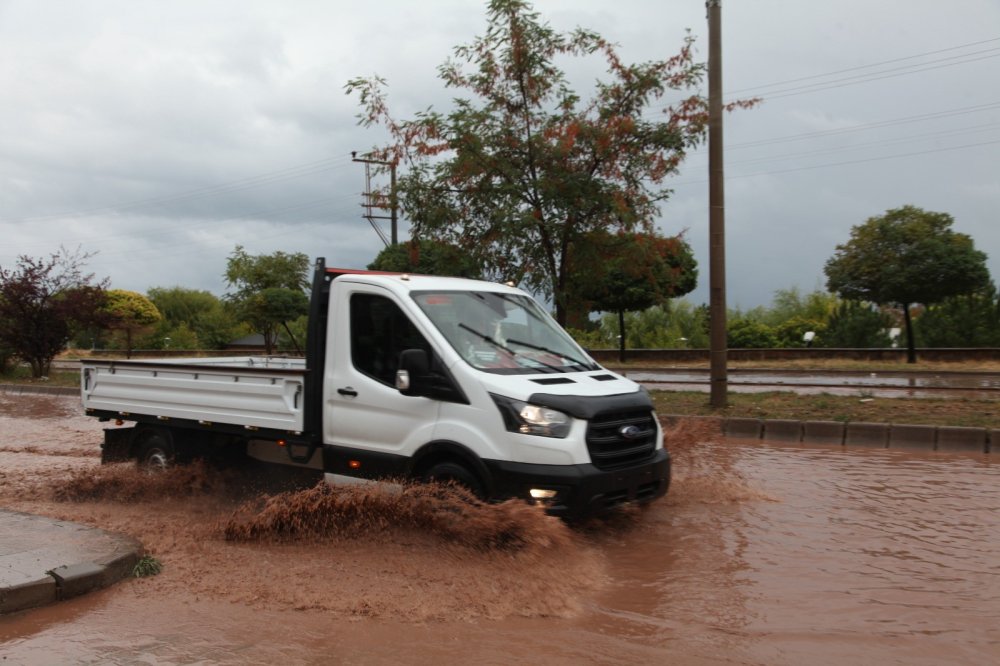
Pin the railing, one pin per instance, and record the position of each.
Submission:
(810, 353)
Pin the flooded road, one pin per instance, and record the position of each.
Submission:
(760, 554)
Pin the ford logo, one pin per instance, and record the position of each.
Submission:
(630, 432)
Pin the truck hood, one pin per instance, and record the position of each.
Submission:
(549, 388)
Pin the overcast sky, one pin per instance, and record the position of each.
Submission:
(162, 134)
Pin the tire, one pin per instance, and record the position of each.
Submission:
(156, 451)
(457, 473)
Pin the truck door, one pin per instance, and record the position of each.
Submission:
(364, 408)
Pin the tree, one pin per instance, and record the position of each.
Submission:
(671, 325)
(791, 332)
(634, 271)
(253, 273)
(42, 301)
(746, 333)
(790, 304)
(427, 257)
(130, 313)
(522, 169)
(855, 324)
(905, 257)
(193, 319)
(269, 289)
(968, 320)
(270, 310)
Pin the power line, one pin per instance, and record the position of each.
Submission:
(867, 126)
(875, 76)
(868, 66)
(845, 163)
(961, 131)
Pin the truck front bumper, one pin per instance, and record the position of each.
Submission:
(581, 490)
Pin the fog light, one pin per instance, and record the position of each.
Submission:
(542, 493)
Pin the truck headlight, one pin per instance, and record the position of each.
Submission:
(528, 419)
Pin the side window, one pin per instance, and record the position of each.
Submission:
(379, 332)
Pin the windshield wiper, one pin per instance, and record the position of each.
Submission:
(512, 352)
(565, 357)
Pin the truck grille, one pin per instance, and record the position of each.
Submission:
(621, 439)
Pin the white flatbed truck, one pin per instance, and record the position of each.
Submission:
(405, 376)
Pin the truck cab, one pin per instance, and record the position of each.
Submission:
(473, 382)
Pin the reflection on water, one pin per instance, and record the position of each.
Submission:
(761, 554)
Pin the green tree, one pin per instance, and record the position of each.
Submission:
(427, 257)
(269, 312)
(968, 320)
(746, 333)
(269, 289)
(634, 271)
(791, 332)
(192, 318)
(674, 324)
(129, 313)
(854, 324)
(42, 301)
(790, 304)
(905, 257)
(521, 168)
(182, 305)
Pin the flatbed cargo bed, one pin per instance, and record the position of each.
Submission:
(254, 392)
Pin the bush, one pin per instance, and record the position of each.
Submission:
(857, 324)
(745, 333)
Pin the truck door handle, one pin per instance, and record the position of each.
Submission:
(348, 391)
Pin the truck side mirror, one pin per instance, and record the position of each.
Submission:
(413, 375)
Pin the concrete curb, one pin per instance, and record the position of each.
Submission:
(856, 434)
(43, 560)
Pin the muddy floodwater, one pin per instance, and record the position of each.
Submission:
(760, 554)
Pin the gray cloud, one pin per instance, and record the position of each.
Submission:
(163, 134)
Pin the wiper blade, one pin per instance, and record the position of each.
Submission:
(565, 357)
(512, 352)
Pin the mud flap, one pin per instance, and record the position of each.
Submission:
(117, 445)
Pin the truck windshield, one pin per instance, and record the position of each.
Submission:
(502, 333)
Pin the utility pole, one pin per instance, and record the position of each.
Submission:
(370, 204)
(718, 346)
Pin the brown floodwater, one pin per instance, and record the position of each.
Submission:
(760, 554)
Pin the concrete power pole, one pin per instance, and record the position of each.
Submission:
(369, 204)
(718, 346)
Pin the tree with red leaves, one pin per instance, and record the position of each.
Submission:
(634, 271)
(42, 301)
(520, 171)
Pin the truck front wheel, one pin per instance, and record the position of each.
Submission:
(453, 472)
(156, 451)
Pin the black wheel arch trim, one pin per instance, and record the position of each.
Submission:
(337, 459)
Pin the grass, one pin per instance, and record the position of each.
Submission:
(22, 376)
(827, 407)
(147, 566)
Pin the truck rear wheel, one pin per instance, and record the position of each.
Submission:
(156, 451)
(453, 472)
